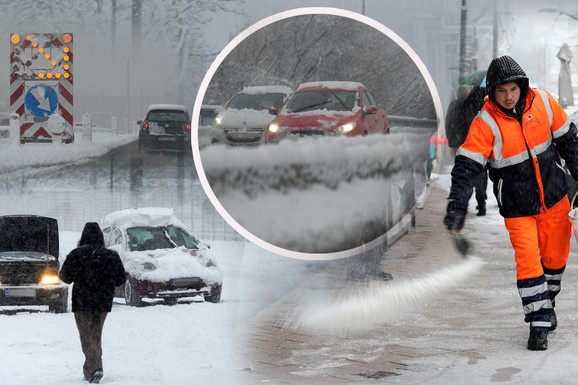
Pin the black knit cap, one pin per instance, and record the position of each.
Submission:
(91, 234)
(503, 70)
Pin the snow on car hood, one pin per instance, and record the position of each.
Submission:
(171, 263)
(245, 118)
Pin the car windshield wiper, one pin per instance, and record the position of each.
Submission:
(311, 106)
(168, 237)
(340, 101)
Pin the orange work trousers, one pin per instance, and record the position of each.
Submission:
(541, 240)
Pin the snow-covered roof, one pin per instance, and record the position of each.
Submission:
(167, 107)
(142, 216)
(267, 90)
(348, 86)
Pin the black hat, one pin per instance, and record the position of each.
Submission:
(503, 70)
(91, 235)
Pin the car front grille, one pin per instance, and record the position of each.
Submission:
(185, 283)
(19, 273)
(245, 135)
(304, 133)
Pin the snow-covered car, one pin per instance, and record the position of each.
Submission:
(165, 127)
(246, 115)
(328, 108)
(161, 258)
(29, 264)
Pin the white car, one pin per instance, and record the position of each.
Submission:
(247, 114)
(161, 258)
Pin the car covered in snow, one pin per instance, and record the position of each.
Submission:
(165, 127)
(29, 263)
(245, 116)
(161, 258)
(328, 108)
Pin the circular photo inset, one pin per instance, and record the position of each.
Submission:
(311, 133)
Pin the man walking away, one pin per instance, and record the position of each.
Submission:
(521, 132)
(95, 271)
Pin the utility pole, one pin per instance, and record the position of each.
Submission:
(463, 36)
(495, 40)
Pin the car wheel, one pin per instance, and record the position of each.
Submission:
(131, 297)
(214, 297)
(60, 305)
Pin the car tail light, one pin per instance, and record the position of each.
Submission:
(187, 126)
(145, 125)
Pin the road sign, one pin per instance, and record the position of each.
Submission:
(41, 84)
(41, 100)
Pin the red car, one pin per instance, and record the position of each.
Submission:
(328, 108)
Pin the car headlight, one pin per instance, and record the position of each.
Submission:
(49, 277)
(218, 120)
(149, 266)
(345, 128)
(273, 128)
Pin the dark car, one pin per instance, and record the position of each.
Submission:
(161, 258)
(29, 263)
(165, 127)
(329, 108)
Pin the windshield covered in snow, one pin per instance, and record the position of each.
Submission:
(164, 237)
(321, 100)
(256, 101)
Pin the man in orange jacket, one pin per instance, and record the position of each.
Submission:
(521, 133)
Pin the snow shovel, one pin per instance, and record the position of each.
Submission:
(461, 243)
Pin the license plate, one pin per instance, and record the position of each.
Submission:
(20, 292)
(167, 138)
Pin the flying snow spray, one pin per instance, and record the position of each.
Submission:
(376, 302)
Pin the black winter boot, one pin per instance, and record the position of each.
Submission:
(554, 321)
(538, 339)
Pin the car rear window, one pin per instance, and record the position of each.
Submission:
(167, 116)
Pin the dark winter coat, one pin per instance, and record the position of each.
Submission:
(522, 147)
(460, 114)
(94, 270)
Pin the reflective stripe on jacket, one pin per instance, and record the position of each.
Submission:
(524, 164)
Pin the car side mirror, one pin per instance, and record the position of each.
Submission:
(274, 110)
(139, 122)
(371, 109)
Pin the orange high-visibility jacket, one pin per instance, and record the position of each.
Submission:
(523, 157)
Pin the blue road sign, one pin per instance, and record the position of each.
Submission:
(41, 100)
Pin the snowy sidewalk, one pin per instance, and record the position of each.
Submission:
(473, 333)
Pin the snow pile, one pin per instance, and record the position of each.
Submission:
(296, 165)
(14, 156)
(352, 311)
(317, 195)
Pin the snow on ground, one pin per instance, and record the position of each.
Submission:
(15, 156)
(186, 343)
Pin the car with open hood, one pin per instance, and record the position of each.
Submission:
(245, 116)
(329, 108)
(29, 263)
(162, 259)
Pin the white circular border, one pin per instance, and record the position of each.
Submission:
(203, 89)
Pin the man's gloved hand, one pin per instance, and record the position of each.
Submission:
(454, 219)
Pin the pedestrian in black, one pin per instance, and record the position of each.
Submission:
(95, 271)
(459, 116)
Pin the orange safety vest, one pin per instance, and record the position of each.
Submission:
(524, 164)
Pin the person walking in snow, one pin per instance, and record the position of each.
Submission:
(459, 117)
(95, 271)
(521, 133)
